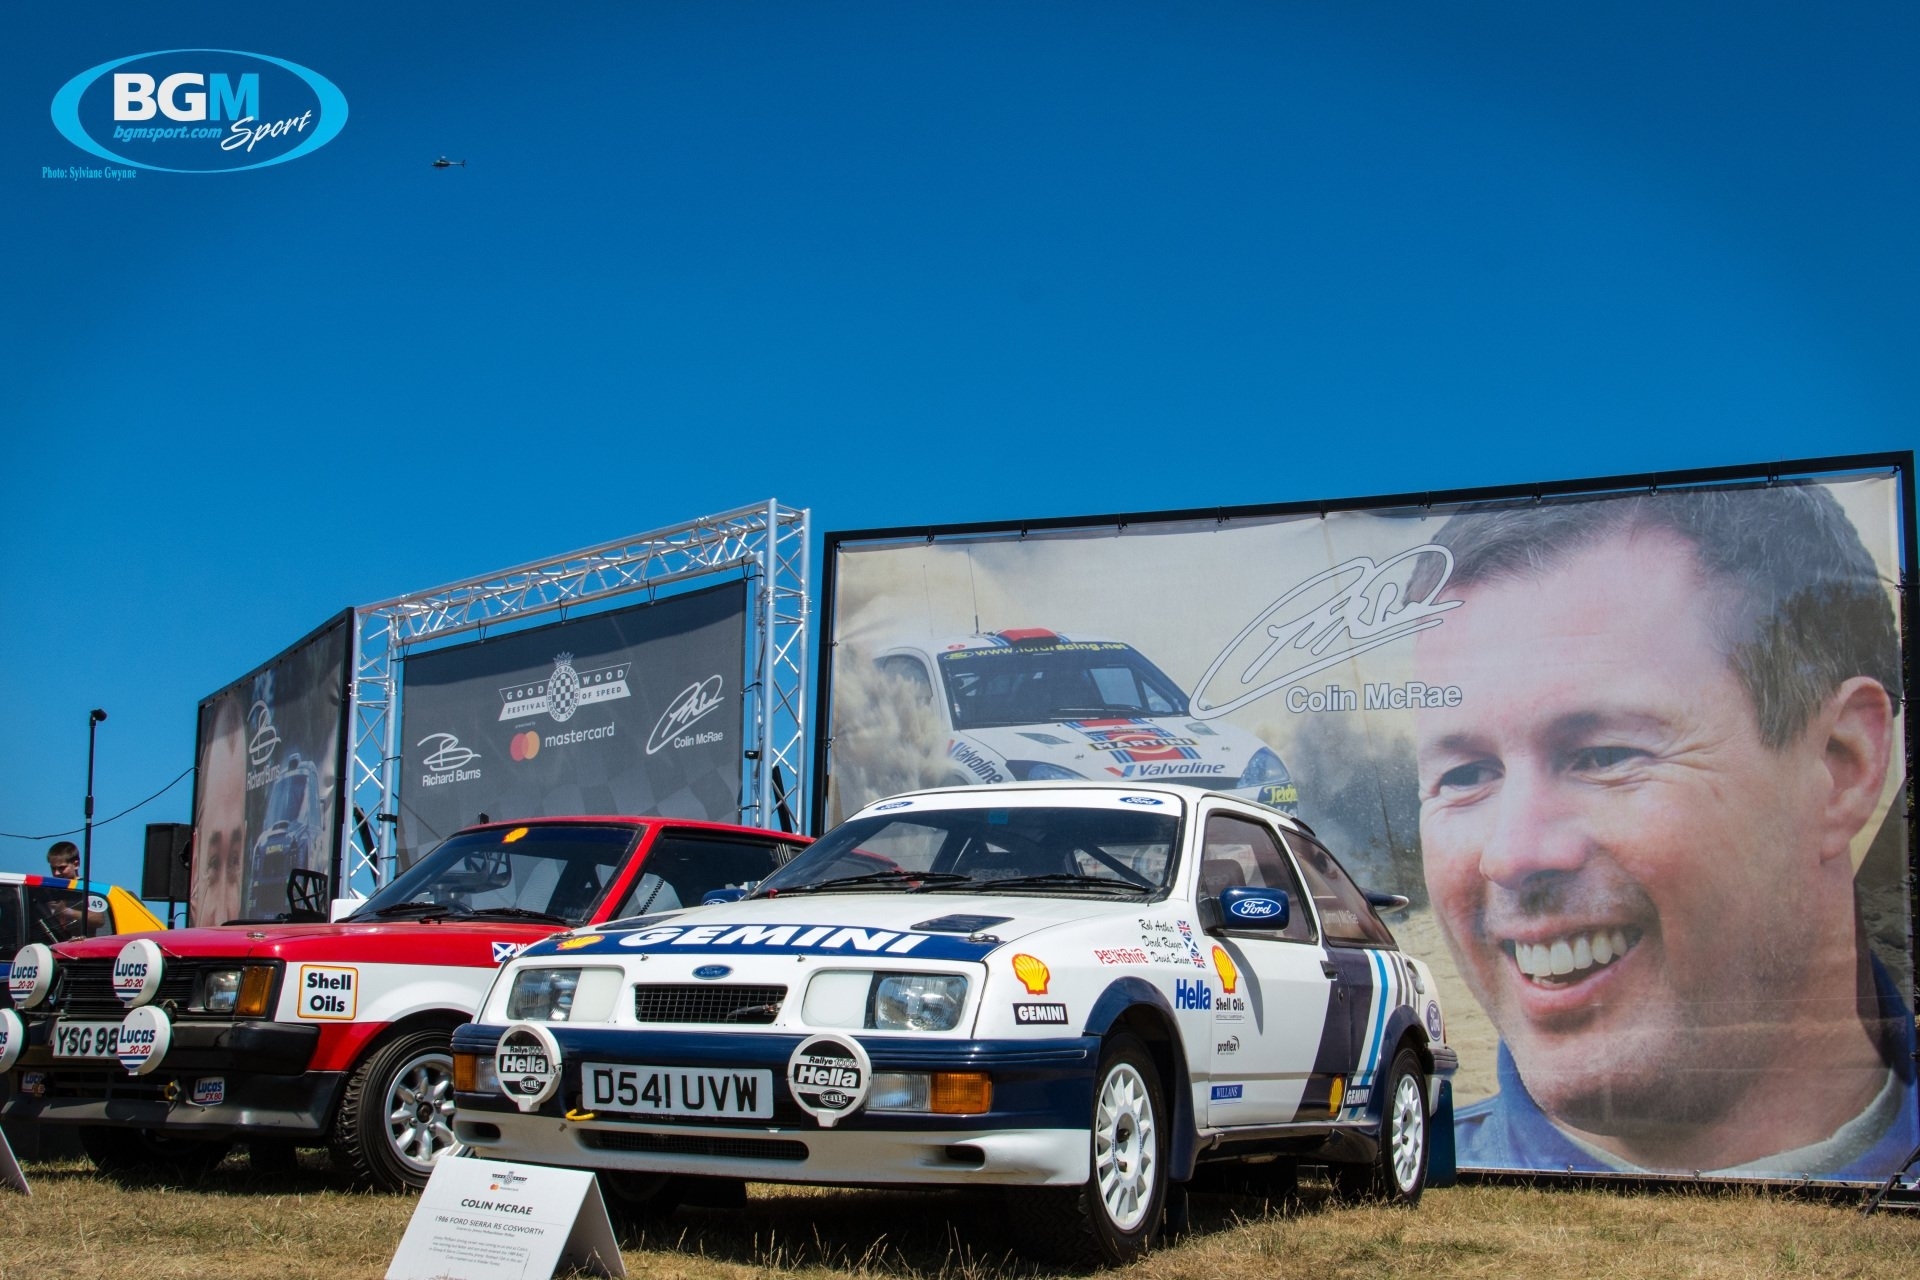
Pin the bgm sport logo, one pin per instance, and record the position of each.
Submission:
(199, 110)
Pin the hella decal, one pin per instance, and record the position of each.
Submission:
(1192, 994)
(199, 110)
(829, 1077)
(527, 1062)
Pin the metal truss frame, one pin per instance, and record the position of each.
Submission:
(766, 545)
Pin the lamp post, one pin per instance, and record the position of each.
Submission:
(94, 718)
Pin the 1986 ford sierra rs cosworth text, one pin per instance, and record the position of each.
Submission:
(1085, 992)
(165, 1048)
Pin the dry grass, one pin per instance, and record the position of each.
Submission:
(303, 1225)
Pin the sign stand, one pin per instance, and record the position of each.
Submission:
(493, 1220)
(10, 1172)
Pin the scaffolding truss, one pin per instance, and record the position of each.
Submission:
(765, 545)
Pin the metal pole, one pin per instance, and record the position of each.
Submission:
(94, 718)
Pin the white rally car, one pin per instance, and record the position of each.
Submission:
(1085, 992)
(1036, 706)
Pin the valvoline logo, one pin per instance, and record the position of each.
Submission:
(199, 110)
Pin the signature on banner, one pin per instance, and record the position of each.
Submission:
(1332, 616)
(695, 701)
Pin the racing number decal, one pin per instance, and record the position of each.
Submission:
(328, 993)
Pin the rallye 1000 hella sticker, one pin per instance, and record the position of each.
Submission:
(829, 1077)
(527, 1063)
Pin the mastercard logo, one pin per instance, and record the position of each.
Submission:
(524, 746)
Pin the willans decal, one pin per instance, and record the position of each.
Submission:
(199, 110)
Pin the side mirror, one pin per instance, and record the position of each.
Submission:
(732, 893)
(1247, 906)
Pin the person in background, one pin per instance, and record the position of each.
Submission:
(63, 860)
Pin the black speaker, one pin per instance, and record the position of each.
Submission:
(163, 877)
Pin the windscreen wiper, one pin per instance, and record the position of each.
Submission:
(418, 910)
(875, 879)
(519, 913)
(1063, 880)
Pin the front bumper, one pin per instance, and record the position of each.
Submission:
(1034, 1135)
(261, 1066)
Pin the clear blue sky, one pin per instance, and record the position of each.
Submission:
(898, 262)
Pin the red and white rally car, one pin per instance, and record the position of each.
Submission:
(167, 1047)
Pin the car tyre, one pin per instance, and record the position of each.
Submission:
(147, 1154)
(396, 1114)
(1399, 1173)
(1116, 1216)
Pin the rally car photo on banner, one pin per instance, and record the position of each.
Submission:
(1088, 993)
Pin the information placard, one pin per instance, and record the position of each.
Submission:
(491, 1220)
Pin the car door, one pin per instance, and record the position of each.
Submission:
(1271, 989)
(1369, 979)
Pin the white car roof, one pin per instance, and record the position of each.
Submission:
(1090, 793)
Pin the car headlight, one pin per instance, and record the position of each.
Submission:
(563, 995)
(918, 1001)
(1265, 769)
(221, 991)
(1041, 771)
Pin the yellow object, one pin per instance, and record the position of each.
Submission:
(466, 1070)
(1229, 973)
(962, 1093)
(1033, 974)
(130, 915)
(513, 835)
(256, 982)
(1336, 1095)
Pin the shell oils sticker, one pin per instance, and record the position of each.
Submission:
(1033, 974)
(328, 993)
(1228, 971)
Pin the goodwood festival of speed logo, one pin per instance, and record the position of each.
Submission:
(564, 691)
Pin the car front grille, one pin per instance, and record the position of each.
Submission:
(680, 1144)
(84, 988)
(707, 1002)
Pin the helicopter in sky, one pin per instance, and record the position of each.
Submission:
(444, 163)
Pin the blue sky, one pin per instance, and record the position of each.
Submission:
(899, 263)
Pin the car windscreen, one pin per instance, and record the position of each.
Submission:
(557, 873)
(1050, 683)
(1022, 850)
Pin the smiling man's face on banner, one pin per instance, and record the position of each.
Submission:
(1651, 901)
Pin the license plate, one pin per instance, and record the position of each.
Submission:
(84, 1039)
(676, 1091)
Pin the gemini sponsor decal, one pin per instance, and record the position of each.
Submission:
(790, 938)
(447, 761)
(565, 691)
(1051, 1015)
(197, 111)
(695, 702)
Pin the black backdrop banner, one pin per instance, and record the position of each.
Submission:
(635, 711)
(267, 800)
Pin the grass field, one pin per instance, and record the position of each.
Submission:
(239, 1225)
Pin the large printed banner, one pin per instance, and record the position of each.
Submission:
(1637, 759)
(636, 711)
(266, 801)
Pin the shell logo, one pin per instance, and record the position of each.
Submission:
(1033, 974)
(1224, 966)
